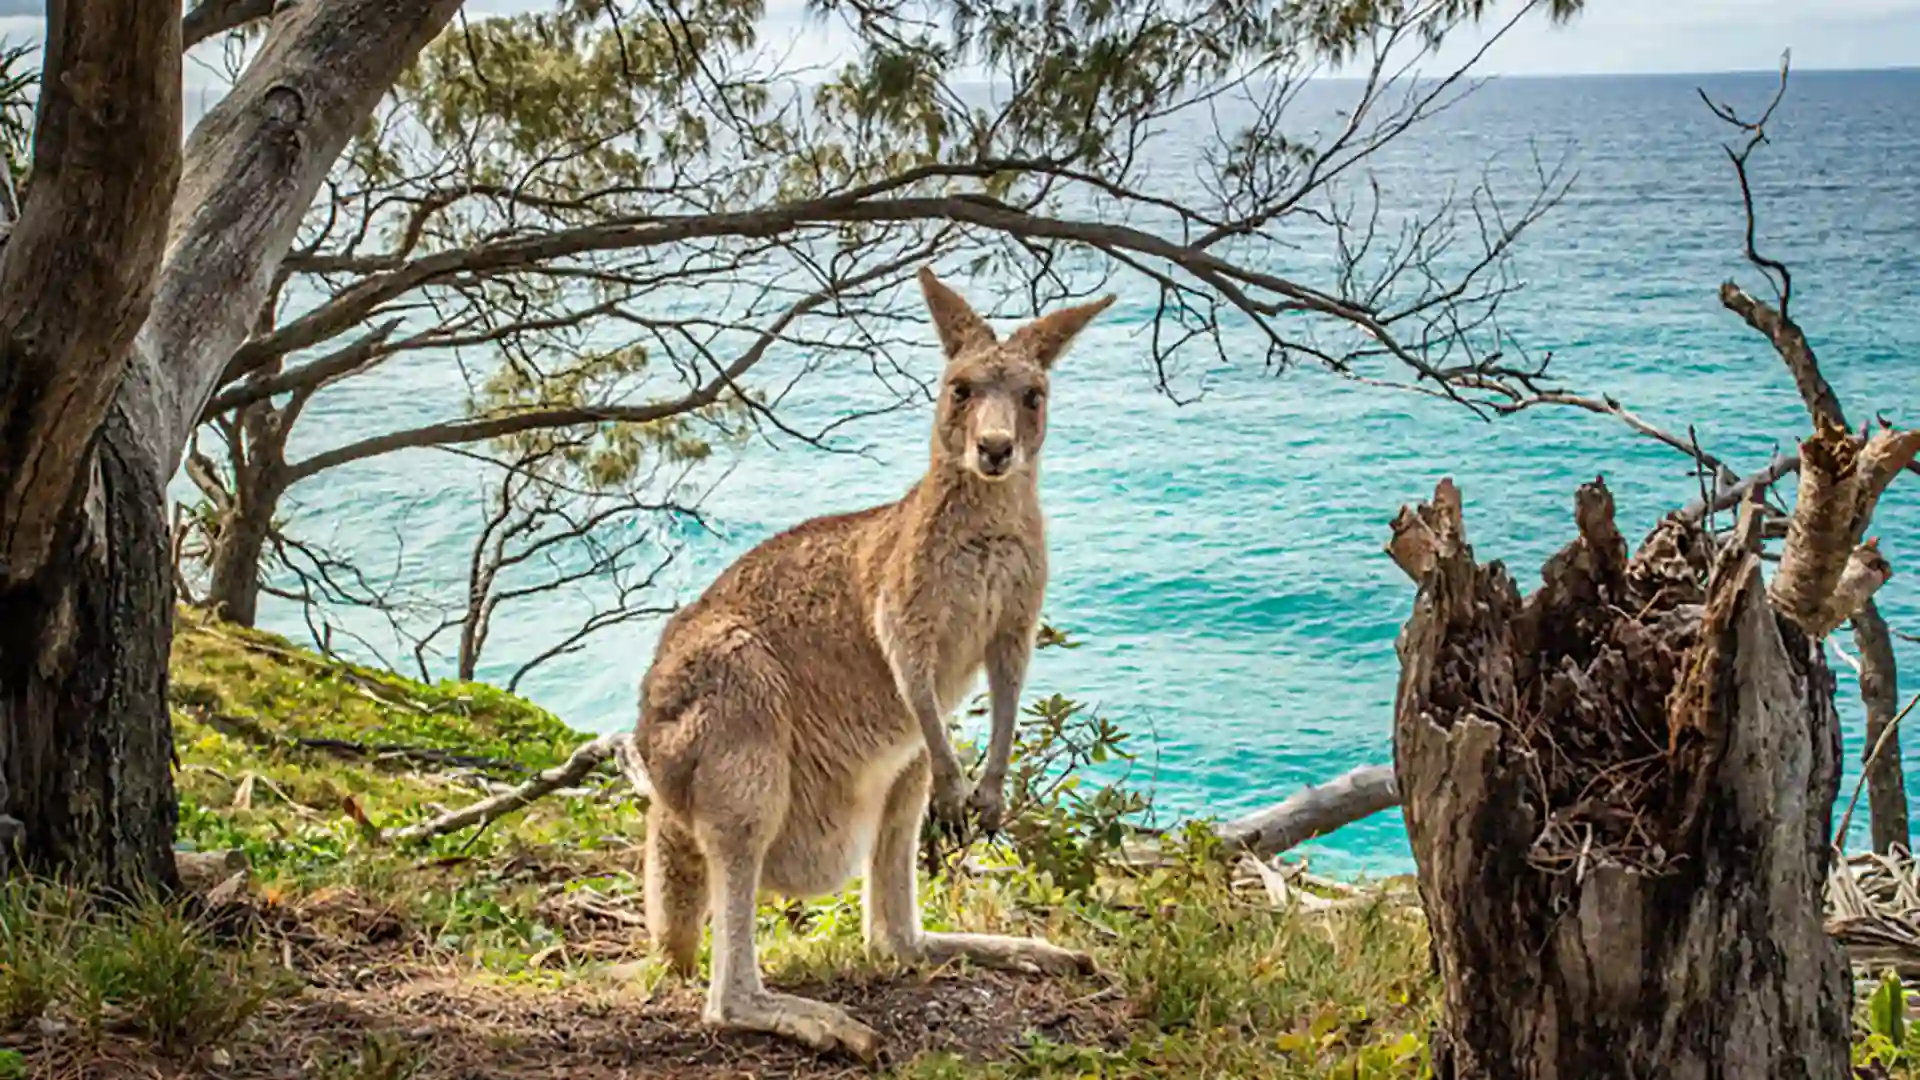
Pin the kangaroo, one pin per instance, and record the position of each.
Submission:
(792, 725)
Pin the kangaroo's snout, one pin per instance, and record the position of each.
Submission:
(995, 453)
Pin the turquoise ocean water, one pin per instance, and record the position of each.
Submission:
(1221, 559)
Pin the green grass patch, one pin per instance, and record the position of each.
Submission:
(145, 968)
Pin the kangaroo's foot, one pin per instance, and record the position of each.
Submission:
(1035, 956)
(816, 1024)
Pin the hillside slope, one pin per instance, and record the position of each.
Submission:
(519, 948)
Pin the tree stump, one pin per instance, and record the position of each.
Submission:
(1619, 790)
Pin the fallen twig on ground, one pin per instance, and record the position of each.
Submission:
(586, 758)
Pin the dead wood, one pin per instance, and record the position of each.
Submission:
(1313, 811)
(616, 746)
(1619, 792)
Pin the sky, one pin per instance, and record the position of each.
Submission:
(1611, 37)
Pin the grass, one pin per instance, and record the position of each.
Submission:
(147, 968)
(520, 948)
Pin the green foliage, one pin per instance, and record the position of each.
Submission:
(1888, 1042)
(19, 89)
(1065, 825)
(601, 91)
(1065, 822)
(595, 456)
(244, 701)
(381, 1056)
(146, 966)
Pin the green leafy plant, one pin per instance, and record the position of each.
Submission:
(19, 89)
(144, 965)
(1064, 822)
(1889, 1042)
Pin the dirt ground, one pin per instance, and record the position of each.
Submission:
(366, 975)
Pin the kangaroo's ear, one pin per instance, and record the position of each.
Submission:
(1047, 337)
(959, 328)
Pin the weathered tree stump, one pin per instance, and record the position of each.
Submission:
(1619, 790)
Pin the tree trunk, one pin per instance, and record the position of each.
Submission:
(1619, 795)
(104, 372)
(233, 593)
(1886, 774)
(86, 748)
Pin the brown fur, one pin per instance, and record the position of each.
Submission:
(793, 722)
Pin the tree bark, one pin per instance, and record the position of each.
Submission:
(85, 750)
(85, 592)
(1879, 692)
(104, 372)
(233, 589)
(77, 276)
(257, 452)
(1619, 794)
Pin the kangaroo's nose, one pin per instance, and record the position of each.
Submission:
(995, 452)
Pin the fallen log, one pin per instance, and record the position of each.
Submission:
(1313, 812)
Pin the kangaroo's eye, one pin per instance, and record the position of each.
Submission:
(961, 392)
(1034, 397)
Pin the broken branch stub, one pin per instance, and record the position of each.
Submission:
(1423, 536)
(1826, 574)
(1618, 792)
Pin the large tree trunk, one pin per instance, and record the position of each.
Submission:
(1619, 795)
(85, 748)
(103, 372)
(85, 596)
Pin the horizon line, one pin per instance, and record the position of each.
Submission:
(1771, 72)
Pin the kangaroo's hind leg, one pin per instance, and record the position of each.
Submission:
(676, 890)
(742, 795)
(893, 907)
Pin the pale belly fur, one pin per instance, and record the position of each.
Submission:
(817, 858)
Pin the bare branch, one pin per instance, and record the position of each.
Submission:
(586, 758)
(210, 18)
(1791, 343)
(1314, 811)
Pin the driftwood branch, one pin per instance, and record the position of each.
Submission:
(587, 757)
(202, 870)
(1313, 811)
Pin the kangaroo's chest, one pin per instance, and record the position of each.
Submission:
(994, 586)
